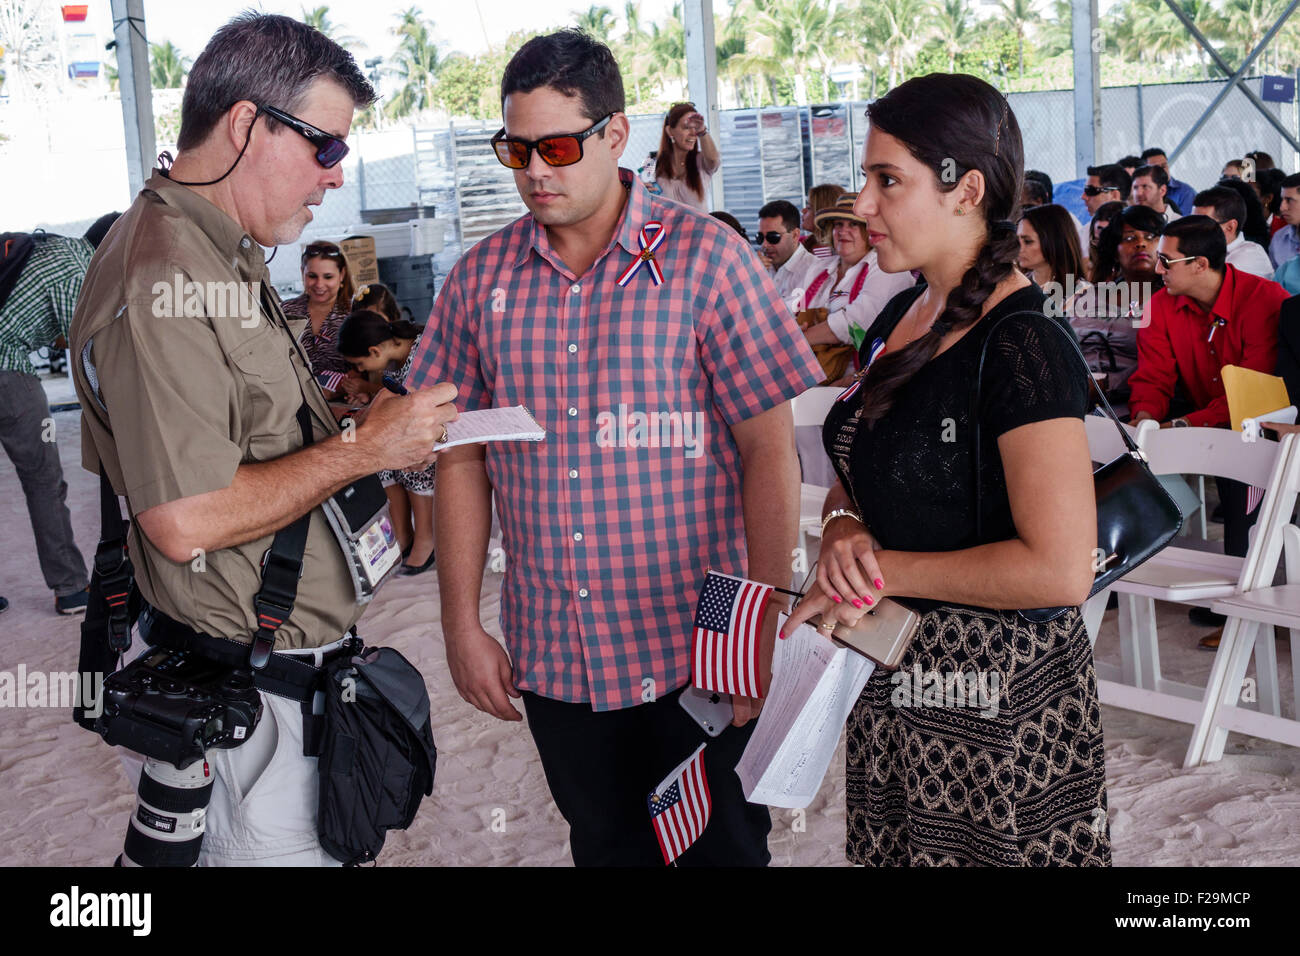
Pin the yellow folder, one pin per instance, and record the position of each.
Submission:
(1252, 393)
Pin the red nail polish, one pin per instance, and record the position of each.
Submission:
(870, 601)
(857, 603)
(879, 583)
(837, 599)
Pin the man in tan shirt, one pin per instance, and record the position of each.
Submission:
(190, 379)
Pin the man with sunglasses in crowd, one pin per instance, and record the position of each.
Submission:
(779, 245)
(197, 405)
(1209, 314)
(602, 306)
(1106, 183)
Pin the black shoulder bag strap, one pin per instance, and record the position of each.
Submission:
(1160, 511)
(281, 570)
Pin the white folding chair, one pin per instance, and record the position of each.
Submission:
(1190, 576)
(1104, 446)
(1252, 615)
(811, 408)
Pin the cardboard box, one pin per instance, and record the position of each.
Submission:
(362, 263)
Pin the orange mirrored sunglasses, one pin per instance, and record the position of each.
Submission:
(562, 150)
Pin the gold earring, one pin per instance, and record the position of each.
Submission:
(959, 211)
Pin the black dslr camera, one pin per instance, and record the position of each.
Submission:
(173, 706)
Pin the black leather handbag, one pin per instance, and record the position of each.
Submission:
(1136, 517)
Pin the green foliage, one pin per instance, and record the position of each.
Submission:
(782, 51)
(470, 86)
(167, 68)
(417, 63)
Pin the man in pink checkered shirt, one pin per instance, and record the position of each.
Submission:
(663, 384)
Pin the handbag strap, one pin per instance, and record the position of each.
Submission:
(975, 403)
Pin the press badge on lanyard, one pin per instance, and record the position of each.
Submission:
(358, 516)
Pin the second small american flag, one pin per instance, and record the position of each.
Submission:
(728, 624)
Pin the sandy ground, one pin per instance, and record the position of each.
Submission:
(67, 800)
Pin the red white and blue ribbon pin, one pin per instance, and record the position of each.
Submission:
(877, 349)
(651, 238)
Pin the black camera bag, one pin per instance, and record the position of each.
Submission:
(377, 756)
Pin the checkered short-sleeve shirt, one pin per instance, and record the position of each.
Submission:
(610, 524)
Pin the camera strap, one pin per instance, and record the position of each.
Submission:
(113, 601)
(281, 570)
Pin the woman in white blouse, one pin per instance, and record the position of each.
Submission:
(688, 158)
(852, 288)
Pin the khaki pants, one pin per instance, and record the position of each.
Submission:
(264, 797)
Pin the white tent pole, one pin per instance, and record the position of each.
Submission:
(702, 75)
(137, 95)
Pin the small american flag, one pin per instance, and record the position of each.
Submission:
(680, 805)
(330, 381)
(728, 621)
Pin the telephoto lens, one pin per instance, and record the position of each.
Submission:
(167, 826)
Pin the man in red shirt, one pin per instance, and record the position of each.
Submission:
(1208, 315)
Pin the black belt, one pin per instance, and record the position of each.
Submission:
(284, 675)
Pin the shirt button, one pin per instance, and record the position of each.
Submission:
(244, 242)
(577, 536)
(573, 412)
(572, 349)
(575, 288)
(582, 592)
(573, 473)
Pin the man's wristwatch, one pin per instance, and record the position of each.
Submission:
(1180, 423)
(841, 513)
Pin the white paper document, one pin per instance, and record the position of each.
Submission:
(492, 424)
(815, 684)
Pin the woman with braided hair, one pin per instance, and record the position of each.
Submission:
(1015, 774)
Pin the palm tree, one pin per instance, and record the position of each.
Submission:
(730, 37)
(1246, 22)
(417, 64)
(952, 26)
(596, 20)
(167, 68)
(1209, 21)
(666, 47)
(1057, 33)
(894, 27)
(1018, 14)
(318, 19)
(802, 34)
(633, 46)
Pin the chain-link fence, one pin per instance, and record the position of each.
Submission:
(768, 153)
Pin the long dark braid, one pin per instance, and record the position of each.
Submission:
(953, 123)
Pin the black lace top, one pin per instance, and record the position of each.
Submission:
(911, 475)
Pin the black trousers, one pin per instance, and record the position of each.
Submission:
(602, 766)
(1236, 523)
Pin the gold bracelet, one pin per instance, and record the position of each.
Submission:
(841, 513)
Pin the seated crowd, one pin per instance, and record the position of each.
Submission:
(1162, 286)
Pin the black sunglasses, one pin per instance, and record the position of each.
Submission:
(771, 238)
(1098, 190)
(330, 150)
(564, 149)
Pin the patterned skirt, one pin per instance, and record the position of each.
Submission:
(983, 749)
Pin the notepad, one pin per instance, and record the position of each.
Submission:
(491, 425)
